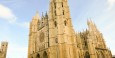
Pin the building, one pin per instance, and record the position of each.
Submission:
(53, 36)
(3, 49)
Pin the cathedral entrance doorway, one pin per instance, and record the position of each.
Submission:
(87, 55)
(45, 55)
(38, 56)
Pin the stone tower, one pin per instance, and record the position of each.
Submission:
(38, 37)
(3, 49)
(53, 36)
(61, 34)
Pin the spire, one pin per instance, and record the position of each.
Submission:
(91, 25)
(42, 14)
(89, 22)
(36, 16)
(46, 15)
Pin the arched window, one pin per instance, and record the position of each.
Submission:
(45, 55)
(63, 12)
(79, 54)
(102, 55)
(85, 43)
(62, 4)
(38, 56)
(55, 13)
(56, 40)
(55, 5)
(65, 23)
(97, 54)
(55, 23)
(87, 55)
(33, 51)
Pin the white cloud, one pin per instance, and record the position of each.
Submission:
(7, 14)
(111, 3)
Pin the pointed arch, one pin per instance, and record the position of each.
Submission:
(100, 54)
(62, 4)
(45, 55)
(65, 22)
(38, 56)
(55, 23)
(79, 55)
(87, 55)
(97, 54)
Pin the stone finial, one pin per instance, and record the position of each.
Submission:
(36, 16)
(46, 15)
(89, 21)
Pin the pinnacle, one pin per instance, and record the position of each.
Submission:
(36, 16)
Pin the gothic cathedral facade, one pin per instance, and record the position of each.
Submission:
(53, 36)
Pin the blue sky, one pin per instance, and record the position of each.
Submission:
(15, 16)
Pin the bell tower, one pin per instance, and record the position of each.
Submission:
(61, 34)
(59, 19)
(33, 34)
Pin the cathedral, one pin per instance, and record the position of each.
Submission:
(53, 36)
(3, 49)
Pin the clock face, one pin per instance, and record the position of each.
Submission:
(41, 37)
